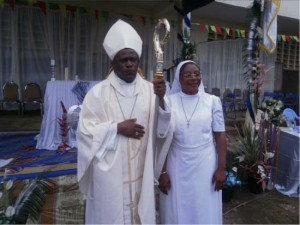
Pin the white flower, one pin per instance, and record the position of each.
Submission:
(241, 158)
(234, 169)
(261, 169)
(268, 155)
(10, 211)
(8, 184)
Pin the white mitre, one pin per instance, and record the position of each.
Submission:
(121, 35)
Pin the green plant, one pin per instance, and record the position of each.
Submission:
(28, 204)
(188, 51)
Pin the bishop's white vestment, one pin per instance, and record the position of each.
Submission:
(115, 173)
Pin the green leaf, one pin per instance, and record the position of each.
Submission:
(31, 200)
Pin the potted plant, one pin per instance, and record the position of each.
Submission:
(254, 156)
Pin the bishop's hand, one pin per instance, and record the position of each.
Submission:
(131, 129)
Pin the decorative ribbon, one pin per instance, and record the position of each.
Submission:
(250, 109)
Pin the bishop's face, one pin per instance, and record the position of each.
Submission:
(190, 78)
(125, 64)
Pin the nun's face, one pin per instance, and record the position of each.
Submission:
(190, 78)
(125, 64)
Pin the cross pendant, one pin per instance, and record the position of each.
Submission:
(188, 124)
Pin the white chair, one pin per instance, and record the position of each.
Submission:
(291, 117)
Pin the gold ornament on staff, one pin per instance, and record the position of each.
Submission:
(163, 24)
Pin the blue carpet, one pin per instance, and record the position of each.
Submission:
(29, 162)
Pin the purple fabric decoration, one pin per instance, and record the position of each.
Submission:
(80, 89)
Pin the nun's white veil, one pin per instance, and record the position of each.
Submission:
(176, 86)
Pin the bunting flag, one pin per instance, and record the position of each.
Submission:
(143, 19)
(207, 28)
(227, 30)
(273, 4)
(72, 9)
(151, 20)
(105, 15)
(31, 2)
(213, 28)
(219, 30)
(243, 33)
(63, 9)
(97, 14)
(233, 31)
(279, 38)
(11, 4)
(81, 10)
(287, 38)
(202, 27)
(270, 25)
(43, 6)
(91, 11)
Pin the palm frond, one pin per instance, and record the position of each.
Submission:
(247, 144)
(31, 200)
(252, 42)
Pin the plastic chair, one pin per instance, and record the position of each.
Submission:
(238, 98)
(11, 95)
(278, 95)
(216, 92)
(290, 100)
(291, 117)
(228, 102)
(33, 95)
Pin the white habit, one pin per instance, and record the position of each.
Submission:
(191, 161)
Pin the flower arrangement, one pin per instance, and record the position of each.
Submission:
(253, 152)
(64, 129)
(273, 109)
(231, 178)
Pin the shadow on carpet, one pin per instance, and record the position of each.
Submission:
(28, 162)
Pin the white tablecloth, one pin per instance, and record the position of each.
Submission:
(56, 91)
(287, 180)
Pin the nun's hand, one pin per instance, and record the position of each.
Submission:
(159, 86)
(164, 183)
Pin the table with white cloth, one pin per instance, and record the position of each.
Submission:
(50, 132)
(287, 179)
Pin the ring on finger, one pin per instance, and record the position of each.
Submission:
(136, 133)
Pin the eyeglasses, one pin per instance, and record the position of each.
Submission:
(190, 75)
